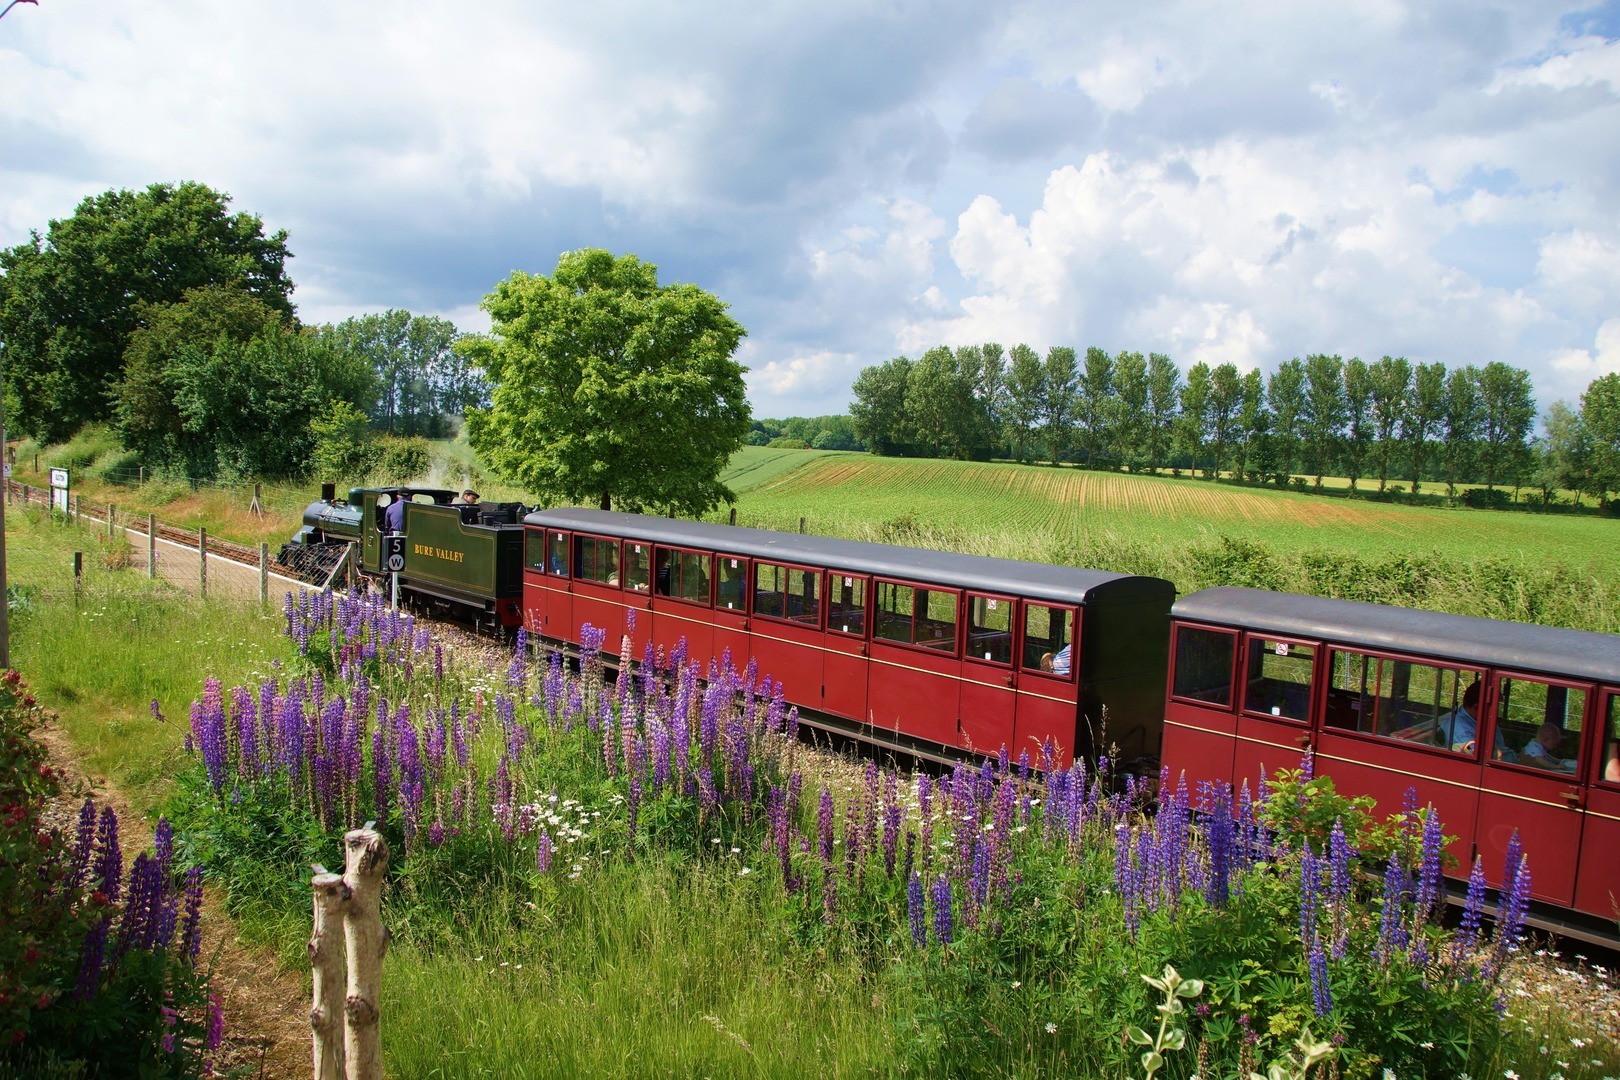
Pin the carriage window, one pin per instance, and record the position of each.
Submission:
(1539, 724)
(769, 583)
(534, 549)
(1204, 665)
(557, 554)
(1400, 699)
(846, 604)
(1048, 639)
(637, 566)
(1611, 741)
(733, 583)
(1279, 678)
(892, 619)
(596, 559)
(684, 574)
(802, 601)
(990, 629)
(936, 619)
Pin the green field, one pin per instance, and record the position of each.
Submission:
(1559, 569)
(1033, 508)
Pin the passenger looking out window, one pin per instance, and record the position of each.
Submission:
(1048, 634)
(1400, 699)
(1524, 710)
(1611, 741)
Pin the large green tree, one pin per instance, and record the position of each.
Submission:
(1324, 413)
(1224, 404)
(1358, 417)
(421, 379)
(1096, 389)
(1061, 378)
(1391, 384)
(1507, 412)
(609, 387)
(147, 413)
(1459, 422)
(1600, 416)
(1424, 414)
(1164, 392)
(1129, 430)
(70, 300)
(1026, 396)
(879, 407)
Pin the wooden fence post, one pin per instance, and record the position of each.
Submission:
(331, 900)
(365, 860)
(734, 515)
(112, 512)
(202, 560)
(264, 573)
(801, 526)
(151, 545)
(78, 574)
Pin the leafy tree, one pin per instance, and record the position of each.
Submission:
(1359, 422)
(1285, 393)
(421, 377)
(1131, 416)
(1164, 393)
(1600, 416)
(1459, 422)
(879, 407)
(1192, 427)
(1224, 403)
(1026, 399)
(1256, 458)
(250, 406)
(341, 439)
(610, 387)
(1061, 403)
(1324, 413)
(1391, 383)
(1425, 414)
(70, 300)
(1096, 385)
(1564, 456)
(989, 370)
(147, 415)
(1507, 410)
(944, 414)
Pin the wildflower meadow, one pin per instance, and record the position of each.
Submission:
(653, 874)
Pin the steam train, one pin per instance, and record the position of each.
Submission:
(1501, 726)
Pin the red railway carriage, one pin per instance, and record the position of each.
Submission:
(1501, 726)
(902, 646)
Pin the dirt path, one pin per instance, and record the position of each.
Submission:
(266, 1007)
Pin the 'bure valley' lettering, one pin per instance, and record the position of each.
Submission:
(437, 552)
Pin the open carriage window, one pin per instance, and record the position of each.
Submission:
(596, 558)
(846, 604)
(1049, 639)
(1538, 724)
(731, 589)
(990, 629)
(1278, 678)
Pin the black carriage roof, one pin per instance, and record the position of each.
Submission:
(1549, 650)
(1008, 576)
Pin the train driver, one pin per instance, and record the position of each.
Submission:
(469, 497)
(394, 515)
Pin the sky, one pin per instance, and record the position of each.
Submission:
(862, 179)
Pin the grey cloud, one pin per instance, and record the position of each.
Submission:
(1020, 120)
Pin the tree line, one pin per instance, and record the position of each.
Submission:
(1390, 420)
(167, 316)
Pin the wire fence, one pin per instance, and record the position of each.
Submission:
(188, 557)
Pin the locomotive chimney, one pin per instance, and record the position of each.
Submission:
(328, 492)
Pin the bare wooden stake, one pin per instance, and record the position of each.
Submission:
(151, 545)
(331, 900)
(365, 860)
(202, 561)
(264, 573)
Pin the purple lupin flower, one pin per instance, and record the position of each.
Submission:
(83, 846)
(108, 871)
(1514, 906)
(1467, 939)
(1430, 867)
(918, 912)
(542, 855)
(190, 934)
(1321, 998)
(825, 826)
(942, 909)
(90, 961)
(1391, 925)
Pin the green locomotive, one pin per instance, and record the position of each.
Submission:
(463, 558)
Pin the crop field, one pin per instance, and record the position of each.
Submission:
(1034, 508)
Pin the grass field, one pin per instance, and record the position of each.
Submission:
(1033, 511)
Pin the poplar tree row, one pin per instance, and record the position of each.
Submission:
(1322, 415)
